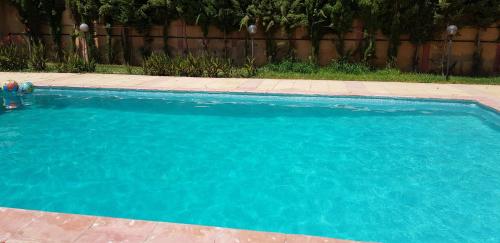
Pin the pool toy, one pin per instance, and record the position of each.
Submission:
(26, 88)
(10, 86)
(12, 102)
(14, 94)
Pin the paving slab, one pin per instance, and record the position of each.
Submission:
(40, 227)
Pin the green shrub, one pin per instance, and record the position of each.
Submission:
(250, 69)
(159, 64)
(189, 66)
(343, 66)
(74, 63)
(37, 60)
(203, 65)
(292, 66)
(13, 57)
(213, 66)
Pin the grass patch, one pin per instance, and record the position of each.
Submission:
(387, 75)
(344, 70)
(100, 68)
(306, 71)
(118, 69)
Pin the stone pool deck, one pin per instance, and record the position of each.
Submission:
(27, 226)
(486, 94)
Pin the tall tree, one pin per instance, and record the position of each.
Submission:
(266, 14)
(108, 11)
(126, 18)
(188, 11)
(340, 15)
(419, 24)
(369, 11)
(164, 11)
(228, 16)
(316, 22)
(479, 14)
(73, 7)
(291, 16)
(52, 10)
(143, 22)
(206, 15)
(447, 12)
(86, 11)
(30, 16)
(392, 25)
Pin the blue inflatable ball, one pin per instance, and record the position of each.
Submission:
(27, 88)
(5, 87)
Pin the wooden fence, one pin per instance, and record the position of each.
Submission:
(185, 38)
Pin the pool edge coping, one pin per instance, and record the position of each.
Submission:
(473, 99)
(27, 225)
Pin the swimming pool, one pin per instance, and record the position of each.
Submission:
(371, 169)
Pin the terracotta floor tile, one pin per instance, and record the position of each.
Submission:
(55, 227)
(12, 220)
(117, 230)
(176, 233)
(21, 241)
(312, 239)
(242, 236)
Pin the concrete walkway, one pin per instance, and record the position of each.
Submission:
(486, 94)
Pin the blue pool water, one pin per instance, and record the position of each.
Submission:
(387, 170)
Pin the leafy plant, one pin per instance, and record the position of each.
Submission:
(344, 66)
(31, 16)
(86, 11)
(189, 66)
(340, 17)
(74, 63)
(37, 60)
(419, 19)
(159, 64)
(369, 15)
(316, 21)
(480, 14)
(13, 57)
(52, 11)
(228, 17)
(164, 11)
(266, 14)
(391, 12)
(250, 69)
(107, 11)
(213, 66)
(292, 66)
(291, 16)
